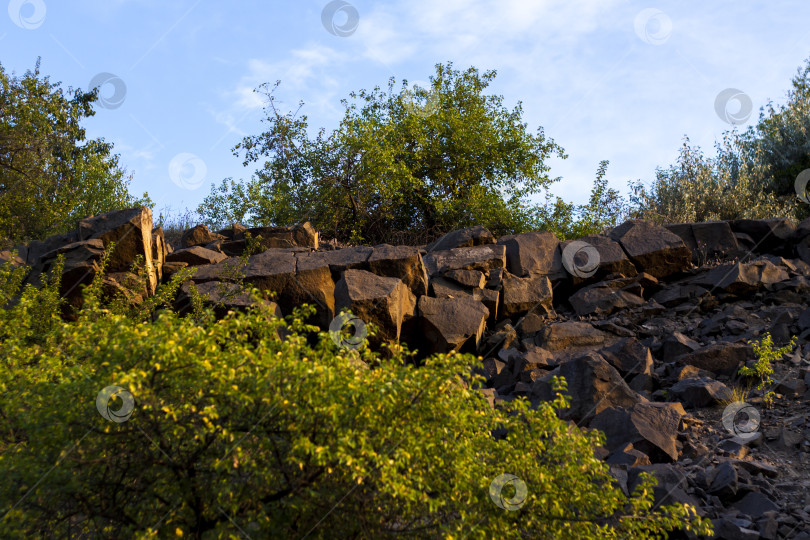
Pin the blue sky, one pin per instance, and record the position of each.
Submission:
(607, 79)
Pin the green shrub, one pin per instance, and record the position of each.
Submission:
(763, 367)
(234, 431)
(698, 189)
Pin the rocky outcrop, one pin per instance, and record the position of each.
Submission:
(384, 300)
(652, 249)
(302, 235)
(649, 325)
(199, 236)
(131, 231)
(452, 324)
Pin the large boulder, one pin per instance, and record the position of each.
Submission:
(82, 261)
(603, 299)
(652, 248)
(720, 358)
(385, 301)
(533, 253)
(707, 240)
(196, 256)
(652, 428)
(700, 392)
(715, 239)
(199, 236)
(676, 345)
(471, 236)
(474, 279)
(743, 278)
(481, 258)
(403, 262)
(451, 324)
(522, 294)
(301, 235)
(567, 339)
(222, 296)
(445, 288)
(629, 356)
(594, 385)
(131, 231)
(277, 271)
(769, 235)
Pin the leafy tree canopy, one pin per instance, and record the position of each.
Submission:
(422, 160)
(50, 174)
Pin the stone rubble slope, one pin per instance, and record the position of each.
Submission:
(648, 324)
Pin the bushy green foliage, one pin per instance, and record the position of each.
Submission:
(752, 174)
(763, 367)
(50, 175)
(781, 140)
(728, 186)
(235, 432)
(420, 160)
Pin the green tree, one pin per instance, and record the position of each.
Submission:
(50, 174)
(781, 140)
(752, 174)
(423, 160)
(232, 431)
